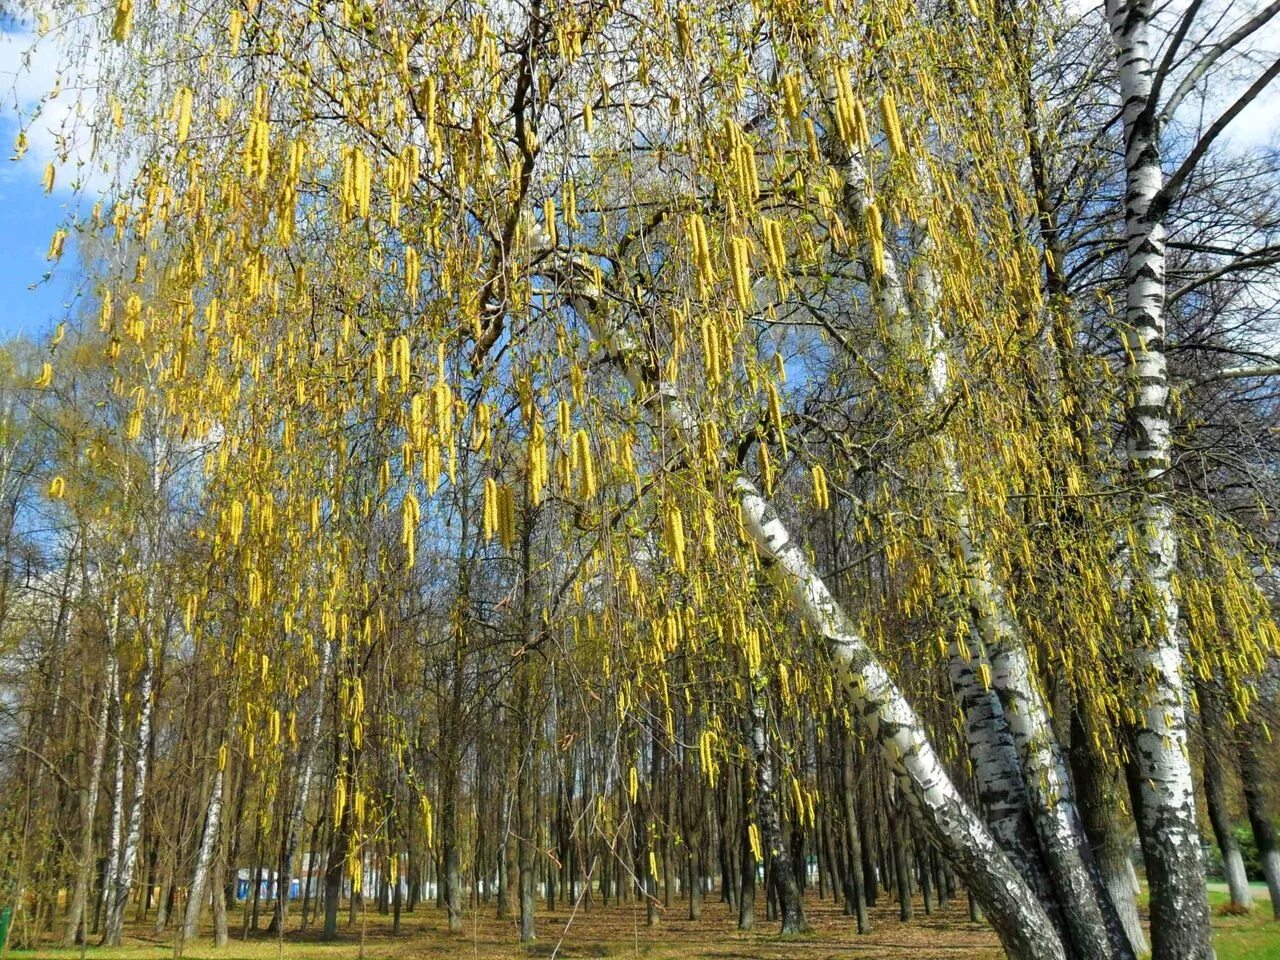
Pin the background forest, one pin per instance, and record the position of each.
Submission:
(513, 458)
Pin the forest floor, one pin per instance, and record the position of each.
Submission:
(620, 931)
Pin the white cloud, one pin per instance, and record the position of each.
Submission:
(53, 104)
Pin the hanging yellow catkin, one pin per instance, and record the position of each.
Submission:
(583, 466)
(235, 23)
(821, 497)
(892, 129)
(412, 273)
(182, 101)
(537, 462)
(701, 250)
(490, 508)
(740, 263)
(875, 238)
(410, 514)
(775, 248)
(675, 537)
(123, 22)
(549, 221)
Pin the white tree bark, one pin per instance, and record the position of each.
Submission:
(123, 880)
(1092, 924)
(204, 857)
(1161, 777)
(119, 895)
(117, 713)
(1012, 907)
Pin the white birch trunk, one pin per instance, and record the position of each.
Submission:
(1013, 908)
(204, 857)
(1161, 777)
(1092, 923)
(117, 806)
(119, 895)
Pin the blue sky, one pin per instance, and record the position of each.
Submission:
(30, 304)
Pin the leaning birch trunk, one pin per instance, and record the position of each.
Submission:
(1013, 908)
(1090, 919)
(88, 811)
(1161, 777)
(204, 858)
(767, 802)
(129, 853)
(296, 815)
(1002, 792)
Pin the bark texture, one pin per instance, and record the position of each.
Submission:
(1160, 777)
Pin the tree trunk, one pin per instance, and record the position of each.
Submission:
(88, 812)
(855, 894)
(749, 864)
(1216, 739)
(129, 853)
(767, 804)
(1099, 791)
(1024, 928)
(1264, 832)
(116, 834)
(204, 859)
(1160, 777)
(293, 830)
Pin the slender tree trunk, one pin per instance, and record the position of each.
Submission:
(1216, 739)
(749, 863)
(1253, 777)
(116, 832)
(855, 894)
(335, 867)
(294, 828)
(129, 853)
(527, 778)
(88, 812)
(767, 804)
(1015, 911)
(1100, 800)
(1161, 781)
(209, 839)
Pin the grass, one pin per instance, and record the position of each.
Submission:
(620, 931)
(1254, 936)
